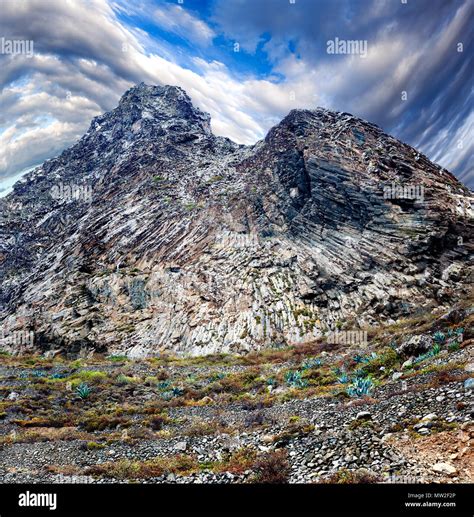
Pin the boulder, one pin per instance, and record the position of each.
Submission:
(415, 346)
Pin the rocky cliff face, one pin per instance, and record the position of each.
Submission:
(152, 234)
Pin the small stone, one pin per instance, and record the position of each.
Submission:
(13, 395)
(181, 446)
(363, 415)
(469, 384)
(397, 376)
(407, 363)
(444, 468)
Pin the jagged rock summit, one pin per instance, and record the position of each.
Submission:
(152, 234)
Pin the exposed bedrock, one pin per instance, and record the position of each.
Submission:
(151, 234)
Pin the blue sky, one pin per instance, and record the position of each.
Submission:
(246, 62)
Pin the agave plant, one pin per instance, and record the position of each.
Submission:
(166, 395)
(439, 337)
(455, 337)
(58, 376)
(360, 373)
(311, 363)
(459, 334)
(83, 390)
(360, 359)
(294, 379)
(177, 392)
(216, 377)
(360, 387)
(435, 350)
(271, 382)
(37, 373)
(343, 378)
(163, 385)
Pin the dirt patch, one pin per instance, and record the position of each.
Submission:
(450, 447)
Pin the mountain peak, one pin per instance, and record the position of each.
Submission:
(152, 234)
(160, 108)
(142, 92)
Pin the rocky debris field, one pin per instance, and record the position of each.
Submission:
(313, 413)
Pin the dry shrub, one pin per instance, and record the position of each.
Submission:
(140, 433)
(45, 434)
(204, 428)
(350, 477)
(238, 462)
(157, 422)
(45, 421)
(162, 375)
(272, 468)
(363, 401)
(297, 353)
(101, 422)
(447, 376)
(293, 430)
(65, 470)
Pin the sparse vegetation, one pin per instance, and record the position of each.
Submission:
(346, 476)
(227, 398)
(128, 469)
(272, 467)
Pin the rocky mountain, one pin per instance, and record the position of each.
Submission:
(152, 234)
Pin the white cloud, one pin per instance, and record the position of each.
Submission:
(72, 86)
(174, 18)
(80, 70)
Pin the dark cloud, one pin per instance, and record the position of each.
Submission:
(419, 55)
(86, 56)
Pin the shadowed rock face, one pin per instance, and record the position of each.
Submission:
(152, 234)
